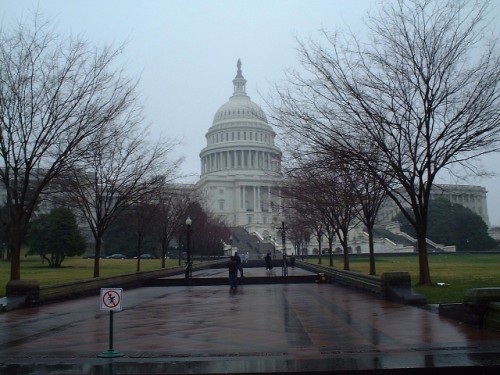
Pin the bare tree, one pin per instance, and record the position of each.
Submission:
(301, 205)
(304, 218)
(54, 94)
(370, 195)
(207, 231)
(422, 93)
(339, 187)
(326, 194)
(121, 169)
(172, 204)
(299, 233)
(139, 220)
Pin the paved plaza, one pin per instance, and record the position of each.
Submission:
(270, 328)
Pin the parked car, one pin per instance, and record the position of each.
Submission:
(146, 256)
(116, 256)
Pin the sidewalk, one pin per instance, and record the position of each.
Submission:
(269, 328)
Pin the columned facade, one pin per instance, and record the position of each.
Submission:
(470, 196)
(240, 165)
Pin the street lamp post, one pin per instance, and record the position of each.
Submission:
(188, 248)
(284, 270)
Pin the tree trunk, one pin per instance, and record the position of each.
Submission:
(319, 250)
(163, 254)
(371, 251)
(139, 250)
(15, 253)
(346, 258)
(343, 241)
(97, 255)
(423, 261)
(330, 249)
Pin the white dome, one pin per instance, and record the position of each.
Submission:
(239, 107)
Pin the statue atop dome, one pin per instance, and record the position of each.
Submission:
(238, 64)
(239, 81)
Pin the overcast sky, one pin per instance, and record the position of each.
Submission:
(185, 53)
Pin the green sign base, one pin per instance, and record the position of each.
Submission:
(110, 353)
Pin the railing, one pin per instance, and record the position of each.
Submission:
(368, 283)
(390, 285)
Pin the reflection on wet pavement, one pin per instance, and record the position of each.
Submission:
(267, 328)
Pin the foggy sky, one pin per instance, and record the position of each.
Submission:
(185, 54)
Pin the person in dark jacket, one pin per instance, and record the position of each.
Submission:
(232, 267)
(269, 261)
(238, 261)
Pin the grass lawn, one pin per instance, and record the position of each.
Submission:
(458, 271)
(75, 269)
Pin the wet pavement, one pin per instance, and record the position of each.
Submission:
(268, 328)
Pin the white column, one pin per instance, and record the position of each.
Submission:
(257, 199)
(268, 198)
(279, 201)
(254, 198)
(242, 201)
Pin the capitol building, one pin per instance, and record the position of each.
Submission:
(240, 165)
(241, 175)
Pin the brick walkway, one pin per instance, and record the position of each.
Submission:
(270, 328)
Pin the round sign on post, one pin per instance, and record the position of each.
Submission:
(111, 298)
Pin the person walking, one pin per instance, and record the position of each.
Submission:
(232, 267)
(238, 261)
(269, 261)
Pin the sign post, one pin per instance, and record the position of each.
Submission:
(111, 299)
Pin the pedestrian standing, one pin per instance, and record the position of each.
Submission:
(238, 261)
(269, 261)
(232, 267)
